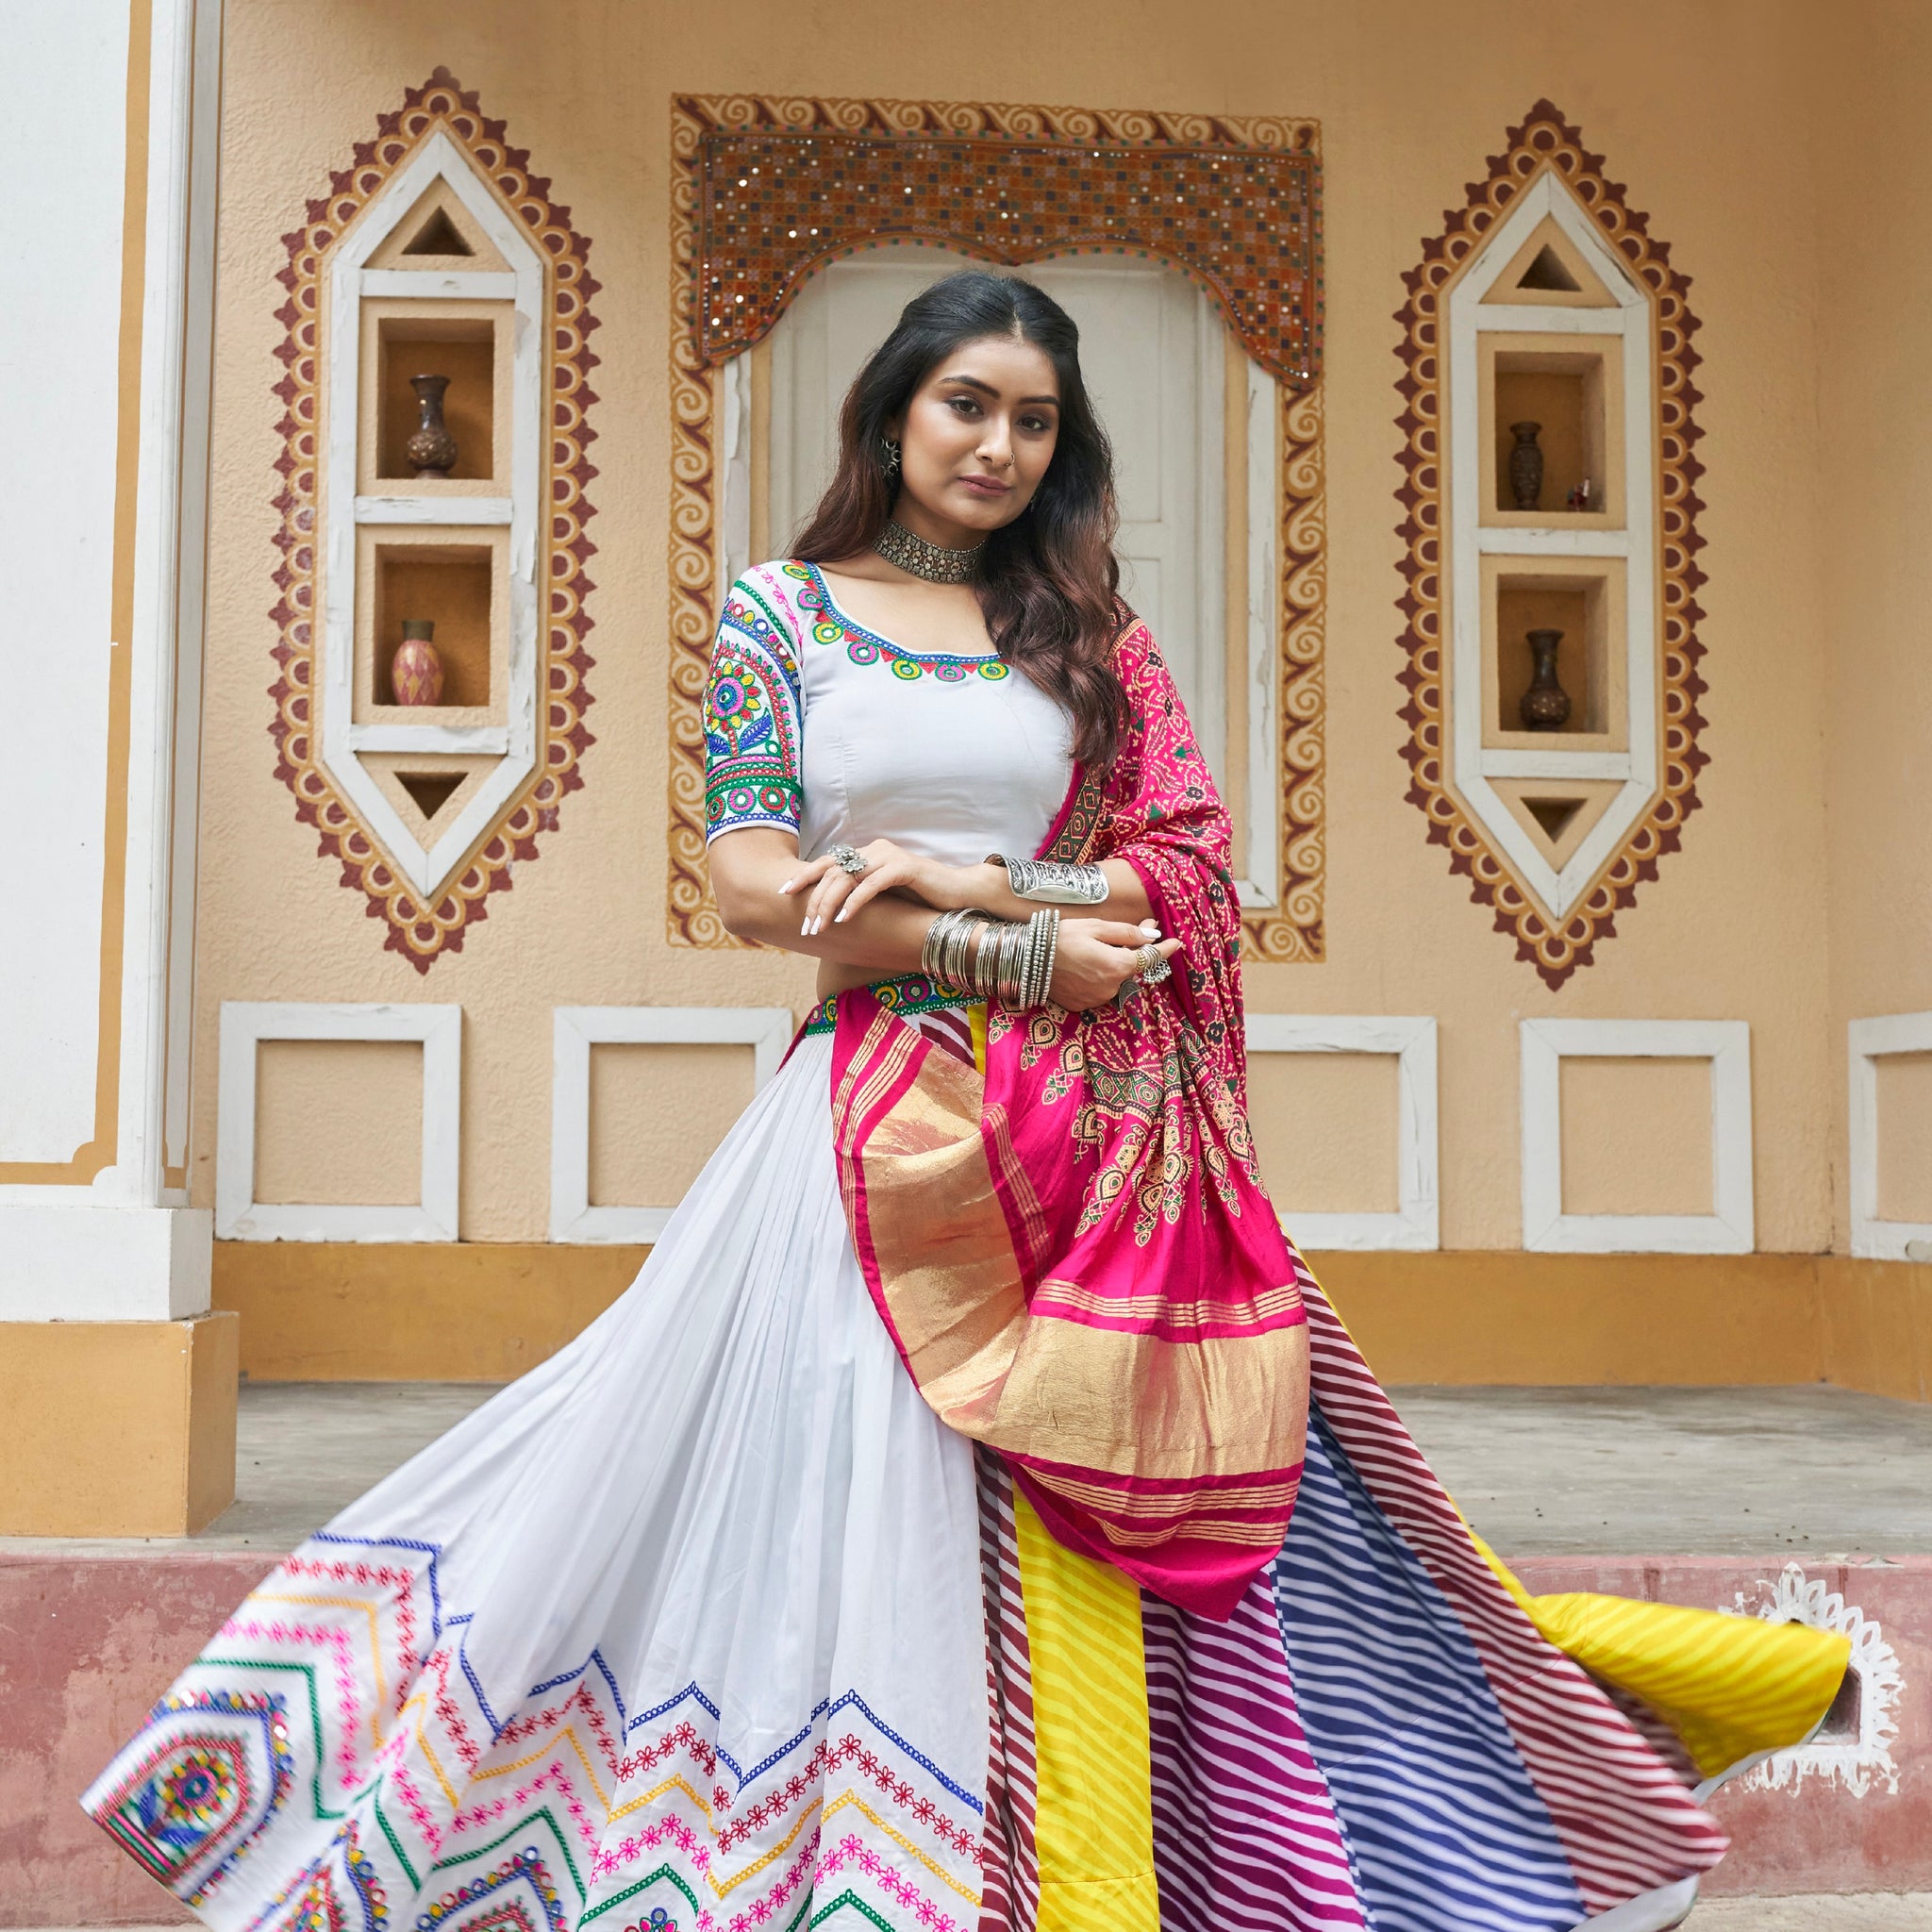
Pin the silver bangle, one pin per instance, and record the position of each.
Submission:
(1052, 882)
(968, 950)
(1052, 947)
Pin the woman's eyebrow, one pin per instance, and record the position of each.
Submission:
(985, 389)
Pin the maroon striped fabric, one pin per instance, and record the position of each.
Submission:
(1245, 1835)
(1009, 1895)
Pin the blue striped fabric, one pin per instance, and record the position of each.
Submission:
(1446, 1831)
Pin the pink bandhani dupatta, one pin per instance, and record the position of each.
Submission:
(1073, 1251)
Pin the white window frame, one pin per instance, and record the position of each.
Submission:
(767, 1030)
(1870, 1042)
(1416, 1224)
(515, 741)
(1474, 766)
(238, 1216)
(1729, 1229)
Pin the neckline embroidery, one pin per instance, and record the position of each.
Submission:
(831, 626)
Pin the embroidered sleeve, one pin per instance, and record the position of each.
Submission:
(752, 717)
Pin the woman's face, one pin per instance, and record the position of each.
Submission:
(975, 440)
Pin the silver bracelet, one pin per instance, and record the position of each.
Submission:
(1052, 882)
(968, 950)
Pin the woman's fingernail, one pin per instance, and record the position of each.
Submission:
(805, 931)
(787, 885)
(818, 925)
(839, 917)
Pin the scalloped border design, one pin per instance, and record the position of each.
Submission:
(422, 934)
(1546, 140)
(1292, 932)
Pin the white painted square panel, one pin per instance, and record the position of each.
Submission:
(238, 1216)
(1416, 1222)
(1728, 1229)
(1869, 1041)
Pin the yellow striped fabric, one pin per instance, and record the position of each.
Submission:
(1093, 1826)
(1732, 1687)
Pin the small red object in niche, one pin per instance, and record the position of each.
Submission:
(415, 673)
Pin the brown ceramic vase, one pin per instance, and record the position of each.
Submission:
(1545, 706)
(431, 447)
(1526, 465)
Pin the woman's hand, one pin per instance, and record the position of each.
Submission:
(1097, 957)
(834, 894)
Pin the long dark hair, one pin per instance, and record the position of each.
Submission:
(1048, 582)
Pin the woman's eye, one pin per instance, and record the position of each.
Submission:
(965, 405)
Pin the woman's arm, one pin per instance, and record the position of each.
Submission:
(751, 872)
(832, 896)
(757, 880)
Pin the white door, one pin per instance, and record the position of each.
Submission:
(1151, 347)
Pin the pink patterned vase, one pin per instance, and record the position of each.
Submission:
(415, 673)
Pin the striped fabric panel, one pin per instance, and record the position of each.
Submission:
(1092, 1820)
(1624, 1821)
(1245, 1835)
(1446, 1829)
(1009, 1900)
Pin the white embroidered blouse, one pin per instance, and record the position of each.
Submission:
(815, 725)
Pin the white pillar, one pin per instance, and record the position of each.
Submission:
(111, 111)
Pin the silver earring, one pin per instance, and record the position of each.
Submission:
(891, 463)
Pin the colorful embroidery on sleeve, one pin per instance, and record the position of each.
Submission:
(751, 718)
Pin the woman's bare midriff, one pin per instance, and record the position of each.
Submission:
(833, 978)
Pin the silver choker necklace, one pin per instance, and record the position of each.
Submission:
(932, 562)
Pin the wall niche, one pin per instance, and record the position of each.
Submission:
(467, 345)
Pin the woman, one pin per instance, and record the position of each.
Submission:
(906, 1547)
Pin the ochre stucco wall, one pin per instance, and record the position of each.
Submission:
(1724, 127)
(1873, 399)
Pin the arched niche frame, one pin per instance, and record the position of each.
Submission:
(436, 248)
(1547, 300)
(765, 192)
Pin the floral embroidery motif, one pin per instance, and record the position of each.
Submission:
(752, 706)
(831, 626)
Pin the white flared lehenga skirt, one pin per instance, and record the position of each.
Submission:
(687, 1621)
(710, 1624)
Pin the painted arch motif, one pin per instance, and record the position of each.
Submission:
(427, 910)
(764, 190)
(1561, 937)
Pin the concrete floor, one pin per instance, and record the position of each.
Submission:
(1539, 1471)
(1703, 1471)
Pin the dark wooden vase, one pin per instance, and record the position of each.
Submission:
(1545, 706)
(431, 447)
(1526, 465)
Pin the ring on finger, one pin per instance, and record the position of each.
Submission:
(848, 859)
(1153, 967)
